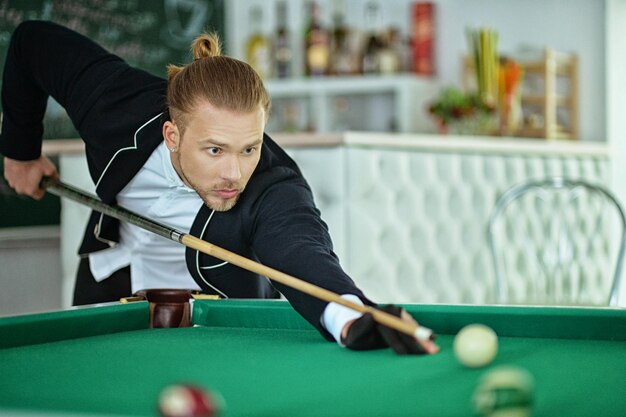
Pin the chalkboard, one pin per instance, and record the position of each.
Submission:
(148, 34)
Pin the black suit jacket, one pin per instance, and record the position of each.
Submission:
(119, 111)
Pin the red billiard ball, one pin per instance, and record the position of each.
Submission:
(184, 400)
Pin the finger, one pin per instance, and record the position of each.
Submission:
(49, 170)
(411, 345)
(408, 318)
(38, 194)
(428, 346)
(21, 188)
(405, 344)
(394, 340)
(401, 343)
(33, 189)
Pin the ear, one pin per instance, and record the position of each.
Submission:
(171, 135)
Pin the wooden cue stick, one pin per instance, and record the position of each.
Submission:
(64, 190)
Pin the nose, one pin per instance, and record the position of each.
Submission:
(231, 170)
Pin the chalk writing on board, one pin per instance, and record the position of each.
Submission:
(146, 33)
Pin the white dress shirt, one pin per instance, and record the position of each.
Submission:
(156, 192)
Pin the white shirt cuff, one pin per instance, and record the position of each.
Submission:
(336, 316)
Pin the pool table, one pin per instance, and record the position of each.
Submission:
(265, 360)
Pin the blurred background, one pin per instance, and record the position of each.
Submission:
(410, 120)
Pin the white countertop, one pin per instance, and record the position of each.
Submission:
(475, 144)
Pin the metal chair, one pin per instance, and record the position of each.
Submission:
(557, 242)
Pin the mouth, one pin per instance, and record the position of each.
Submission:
(227, 193)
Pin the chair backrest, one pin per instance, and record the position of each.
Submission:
(557, 242)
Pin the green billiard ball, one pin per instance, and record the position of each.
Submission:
(505, 391)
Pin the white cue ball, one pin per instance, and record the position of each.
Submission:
(476, 345)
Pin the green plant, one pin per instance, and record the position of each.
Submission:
(454, 105)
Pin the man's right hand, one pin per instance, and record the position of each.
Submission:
(25, 176)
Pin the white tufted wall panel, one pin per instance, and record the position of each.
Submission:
(410, 226)
(416, 229)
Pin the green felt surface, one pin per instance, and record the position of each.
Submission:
(266, 361)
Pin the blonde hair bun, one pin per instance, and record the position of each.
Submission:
(207, 45)
(221, 81)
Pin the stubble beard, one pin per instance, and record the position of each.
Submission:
(215, 203)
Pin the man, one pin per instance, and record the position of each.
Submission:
(189, 153)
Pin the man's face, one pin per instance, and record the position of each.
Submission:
(217, 153)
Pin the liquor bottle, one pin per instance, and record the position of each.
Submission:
(258, 46)
(402, 46)
(370, 59)
(388, 58)
(282, 45)
(316, 44)
(342, 61)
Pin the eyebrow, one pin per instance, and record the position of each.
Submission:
(226, 145)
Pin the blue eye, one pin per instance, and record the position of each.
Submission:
(214, 150)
